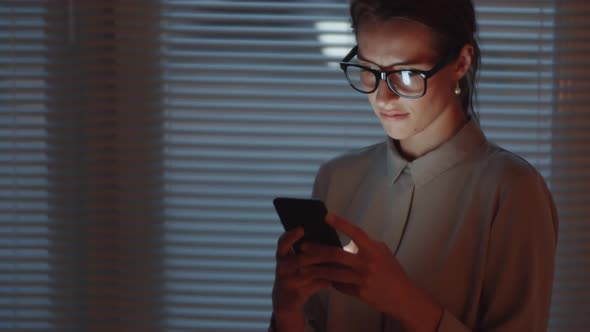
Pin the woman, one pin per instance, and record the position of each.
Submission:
(448, 232)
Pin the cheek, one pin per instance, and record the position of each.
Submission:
(440, 86)
(422, 112)
(372, 101)
(438, 96)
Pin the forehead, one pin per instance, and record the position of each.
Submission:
(396, 40)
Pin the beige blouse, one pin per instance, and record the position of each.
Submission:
(471, 223)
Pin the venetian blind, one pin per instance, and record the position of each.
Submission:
(570, 178)
(34, 45)
(81, 195)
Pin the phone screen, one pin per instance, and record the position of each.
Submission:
(310, 214)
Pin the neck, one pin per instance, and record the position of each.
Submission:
(443, 128)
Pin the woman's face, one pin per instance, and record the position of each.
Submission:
(405, 44)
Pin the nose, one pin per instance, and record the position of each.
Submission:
(385, 98)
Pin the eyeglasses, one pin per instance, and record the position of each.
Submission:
(407, 83)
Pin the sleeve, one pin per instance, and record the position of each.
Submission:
(450, 323)
(307, 328)
(321, 183)
(516, 293)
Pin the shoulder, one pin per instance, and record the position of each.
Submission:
(518, 187)
(341, 175)
(509, 170)
(356, 159)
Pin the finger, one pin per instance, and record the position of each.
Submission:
(287, 240)
(287, 265)
(315, 286)
(320, 254)
(301, 282)
(334, 274)
(313, 254)
(296, 290)
(360, 238)
(348, 289)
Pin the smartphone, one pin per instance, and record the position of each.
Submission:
(310, 214)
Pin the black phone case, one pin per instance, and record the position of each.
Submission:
(310, 214)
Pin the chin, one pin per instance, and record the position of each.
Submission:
(399, 133)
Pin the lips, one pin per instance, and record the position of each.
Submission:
(394, 115)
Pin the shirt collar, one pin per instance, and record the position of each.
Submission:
(395, 162)
(428, 166)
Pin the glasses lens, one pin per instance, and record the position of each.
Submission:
(361, 79)
(407, 83)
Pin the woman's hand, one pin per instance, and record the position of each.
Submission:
(368, 270)
(292, 288)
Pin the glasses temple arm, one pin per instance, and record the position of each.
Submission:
(351, 54)
(447, 59)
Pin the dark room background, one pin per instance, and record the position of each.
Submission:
(142, 143)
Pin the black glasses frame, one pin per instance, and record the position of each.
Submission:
(383, 75)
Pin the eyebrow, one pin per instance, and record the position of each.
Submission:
(362, 58)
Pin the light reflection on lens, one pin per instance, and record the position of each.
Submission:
(406, 79)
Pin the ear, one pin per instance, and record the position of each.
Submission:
(463, 62)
